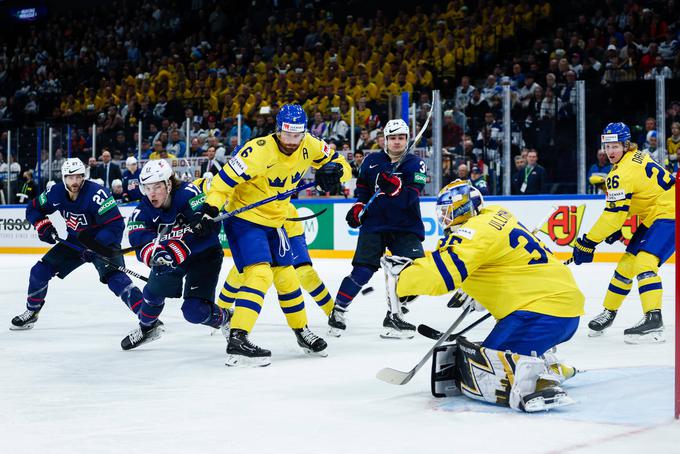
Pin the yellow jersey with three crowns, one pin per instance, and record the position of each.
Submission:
(498, 262)
(260, 170)
(636, 185)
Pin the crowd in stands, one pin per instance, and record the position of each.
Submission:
(199, 63)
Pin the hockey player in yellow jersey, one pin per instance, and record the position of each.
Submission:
(493, 258)
(636, 185)
(265, 167)
(302, 263)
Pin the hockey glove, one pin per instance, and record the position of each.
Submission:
(162, 262)
(463, 300)
(584, 250)
(202, 223)
(352, 217)
(46, 231)
(614, 237)
(389, 184)
(327, 178)
(88, 255)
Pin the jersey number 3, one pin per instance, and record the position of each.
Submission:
(531, 245)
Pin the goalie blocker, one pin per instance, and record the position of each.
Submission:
(524, 383)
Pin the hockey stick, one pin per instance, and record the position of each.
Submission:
(306, 218)
(401, 159)
(105, 259)
(100, 249)
(281, 196)
(397, 377)
(435, 334)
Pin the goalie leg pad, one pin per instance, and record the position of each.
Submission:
(392, 266)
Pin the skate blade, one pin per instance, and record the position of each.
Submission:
(542, 404)
(593, 333)
(335, 332)
(655, 337)
(390, 333)
(26, 327)
(244, 361)
(322, 354)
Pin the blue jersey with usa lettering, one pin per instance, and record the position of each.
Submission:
(131, 185)
(146, 221)
(392, 214)
(93, 210)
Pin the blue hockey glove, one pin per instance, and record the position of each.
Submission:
(162, 262)
(202, 223)
(389, 184)
(88, 255)
(46, 231)
(584, 250)
(614, 237)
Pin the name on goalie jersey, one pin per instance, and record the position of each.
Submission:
(237, 165)
(615, 196)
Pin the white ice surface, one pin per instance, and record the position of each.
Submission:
(67, 387)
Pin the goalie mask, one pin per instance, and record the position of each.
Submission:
(457, 202)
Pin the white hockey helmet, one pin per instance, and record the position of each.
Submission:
(396, 127)
(131, 161)
(72, 166)
(116, 183)
(155, 171)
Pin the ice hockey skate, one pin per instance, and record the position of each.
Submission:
(24, 321)
(649, 330)
(395, 327)
(545, 399)
(601, 322)
(310, 342)
(337, 322)
(142, 335)
(241, 352)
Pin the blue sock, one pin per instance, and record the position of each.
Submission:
(351, 285)
(152, 306)
(40, 276)
(121, 285)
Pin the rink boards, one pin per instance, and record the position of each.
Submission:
(561, 218)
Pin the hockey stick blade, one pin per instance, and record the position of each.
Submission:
(305, 218)
(396, 377)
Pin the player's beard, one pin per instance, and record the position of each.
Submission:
(74, 188)
(287, 148)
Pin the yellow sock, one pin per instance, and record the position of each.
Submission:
(618, 289)
(651, 291)
(290, 296)
(250, 297)
(313, 284)
(230, 288)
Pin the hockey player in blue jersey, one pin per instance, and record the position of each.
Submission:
(131, 180)
(88, 209)
(391, 221)
(182, 264)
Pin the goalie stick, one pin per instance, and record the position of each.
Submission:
(435, 334)
(397, 377)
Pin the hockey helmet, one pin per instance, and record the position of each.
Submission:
(457, 202)
(72, 166)
(155, 171)
(616, 132)
(291, 118)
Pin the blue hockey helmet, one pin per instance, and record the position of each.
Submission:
(616, 132)
(291, 118)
